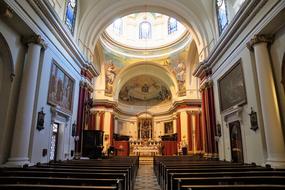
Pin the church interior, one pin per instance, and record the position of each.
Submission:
(142, 94)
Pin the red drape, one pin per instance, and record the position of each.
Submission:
(204, 122)
(198, 132)
(178, 125)
(102, 116)
(80, 113)
(92, 121)
(111, 128)
(189, 134)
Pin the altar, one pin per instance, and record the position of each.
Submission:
(145, 148)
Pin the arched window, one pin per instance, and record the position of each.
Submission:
(145, 30)
(222, 14)
(118, 26)
(172, 25)
(70, 14)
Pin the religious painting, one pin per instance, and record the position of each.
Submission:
(60, 89)
(168, 128)
(144, 90)
(232, 90)
(145, 128)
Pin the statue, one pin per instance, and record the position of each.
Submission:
(110, 77)
(180, 77)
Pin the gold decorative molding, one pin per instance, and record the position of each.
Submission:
(206, 84)
(259, 38)
(35, 39)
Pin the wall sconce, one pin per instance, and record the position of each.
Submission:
(253, 120)
(41, 120)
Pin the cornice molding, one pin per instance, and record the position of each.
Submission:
(261, 38)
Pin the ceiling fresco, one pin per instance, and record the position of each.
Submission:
(144, 90)
(175, 63)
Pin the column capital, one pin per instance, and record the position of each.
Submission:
(259, 38)
(35, 39)
(206, 84)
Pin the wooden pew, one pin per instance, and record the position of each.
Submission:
(264, 180)
(51, 187)
(171, 183)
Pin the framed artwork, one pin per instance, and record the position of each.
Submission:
(61, 87)
(232, 90)
(168, 127)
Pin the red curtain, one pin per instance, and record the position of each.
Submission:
(189, 134)
(198, 132)
(178, 125)
(92, 121)
(102, 116)
(80, 113)
(111, 128)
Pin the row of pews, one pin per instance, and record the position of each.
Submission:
(186, 172)
(117, 173)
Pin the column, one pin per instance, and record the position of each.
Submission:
(24, 116)
(269, 105)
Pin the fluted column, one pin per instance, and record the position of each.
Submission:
(269, 105)
(24, 116)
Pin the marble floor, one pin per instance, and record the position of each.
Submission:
(146, 179)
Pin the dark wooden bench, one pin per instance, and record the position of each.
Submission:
(233, 187)
(61, 181)
(171, 177)
(260, 180)
(51, 187)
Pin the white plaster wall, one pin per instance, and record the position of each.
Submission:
(253, 142)
(42, 139)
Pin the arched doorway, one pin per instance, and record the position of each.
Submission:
(6, 74)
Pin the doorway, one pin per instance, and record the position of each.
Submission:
(54, 142)
(236, 142)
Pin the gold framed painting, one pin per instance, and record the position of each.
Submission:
(61, 87)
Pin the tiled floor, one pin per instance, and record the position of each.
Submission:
(146, 179)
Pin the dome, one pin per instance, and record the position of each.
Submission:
(145, 30)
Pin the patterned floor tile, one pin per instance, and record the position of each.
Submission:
(146, 179)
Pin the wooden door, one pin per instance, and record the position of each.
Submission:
(236, 142)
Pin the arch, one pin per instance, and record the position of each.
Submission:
(94, 22)
(140, 68)
(6, 76)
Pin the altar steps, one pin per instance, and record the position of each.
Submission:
(146, 160)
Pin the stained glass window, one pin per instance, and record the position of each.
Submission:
(70, 14)
(222, 15)
(118, 26)
(172, 25)
(145, 30)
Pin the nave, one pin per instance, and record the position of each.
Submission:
(125, 173)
